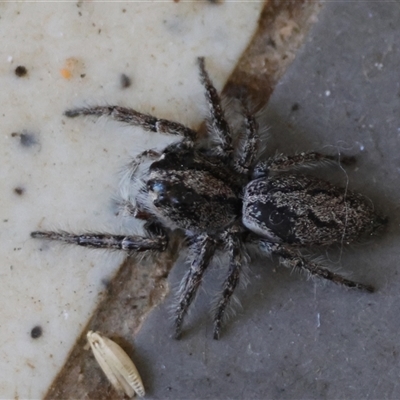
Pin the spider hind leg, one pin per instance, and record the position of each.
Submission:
(283, 163)
(292, 259)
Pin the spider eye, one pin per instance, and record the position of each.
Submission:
(159, 191)
(157, 187)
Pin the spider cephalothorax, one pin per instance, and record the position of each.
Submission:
(222, 197)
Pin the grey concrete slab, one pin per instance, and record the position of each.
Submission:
(294, 338)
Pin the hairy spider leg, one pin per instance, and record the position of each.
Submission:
(248, 148)
(291, 259)
(229, 286)
(282, 162)
(154, 228)
(135, 118)
(144, 155)
(219, 126)
(202, 250)
(105, 241)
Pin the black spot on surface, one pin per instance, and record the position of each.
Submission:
(125, 81)
(19, 190)
(36, 332)
(20, 71)
(26, 139)
(295, 107)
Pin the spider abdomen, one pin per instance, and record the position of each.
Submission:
(303, 210)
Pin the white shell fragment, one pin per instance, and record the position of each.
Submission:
(116, 364)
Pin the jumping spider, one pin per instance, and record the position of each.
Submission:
(221, 196)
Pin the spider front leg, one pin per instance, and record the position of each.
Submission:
(247, 153)
(137, 161)
(135, 118)
(202, 250)
(131, 243)
(291, 259)
(219, 125)
(229, 286)
(282, 162)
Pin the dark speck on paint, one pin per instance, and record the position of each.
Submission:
(26, 139)
(19, 190)
(125, 81)
(20, 71)
(36, 332)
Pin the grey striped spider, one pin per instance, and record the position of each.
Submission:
(223, 197)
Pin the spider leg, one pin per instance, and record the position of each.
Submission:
(291, 259)
(135, 118)
(218, 122)
(147, 154)
(248, 148)
(235, 262)
(132, 243)
(282, 162)
(202, 251)
(154, 228)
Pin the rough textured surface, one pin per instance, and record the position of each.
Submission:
(297, 338)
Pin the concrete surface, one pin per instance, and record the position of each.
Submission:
(293, 338)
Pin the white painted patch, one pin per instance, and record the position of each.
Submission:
(75, 53)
